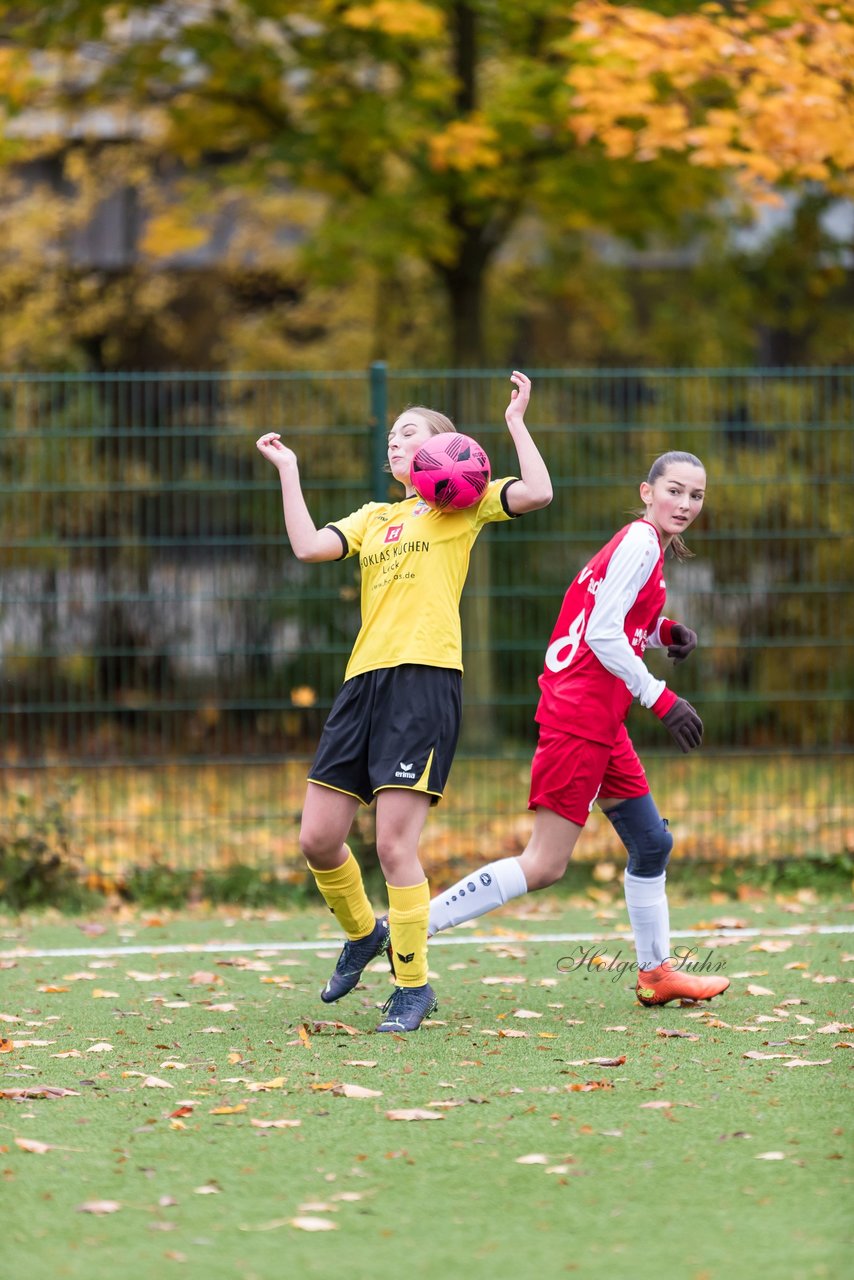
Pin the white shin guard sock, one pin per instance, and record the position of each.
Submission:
(646, 899)
(484, 890)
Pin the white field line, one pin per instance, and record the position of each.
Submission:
(476, 940)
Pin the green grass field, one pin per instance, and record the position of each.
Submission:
(215, 1126)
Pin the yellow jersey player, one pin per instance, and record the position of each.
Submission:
(393, 728)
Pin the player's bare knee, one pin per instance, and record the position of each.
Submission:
(317, 849)
(539, 875)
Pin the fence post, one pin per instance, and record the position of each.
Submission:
(379, 413)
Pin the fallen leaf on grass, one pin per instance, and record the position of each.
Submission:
(773, 946)
(52, 990)
(359, 1062)
(597, 1062)
(275, 1124)
(504, 982)
(534, 1158)
(154, 1082)
(356, 1091)
(753, 989)
(99, 994)
(204, 978)
(313, 1224)
(35, 1148)
(589, 1086)
(226, 1007)
(675, 1035)
(771, 1155)
(185, 1109)
(68, 1053)
(99, 1206)
(806, 1062)
(6, 1046)
(31, 1044)
(526, 1013)
(267, 1086)
(103, 1046)
(228, 1111)
(764, 1057)
(39, 1091)
(302, 1032)
(414, 1113)
(511, 1034)
(209, 1189)
(658, 1105)
(337, 1026)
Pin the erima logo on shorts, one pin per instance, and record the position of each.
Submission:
(405, 770)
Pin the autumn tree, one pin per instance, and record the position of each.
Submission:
(431, 130)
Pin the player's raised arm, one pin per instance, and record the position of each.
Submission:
(533, 489)
(307, 541)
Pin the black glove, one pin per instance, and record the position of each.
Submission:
(682, 642)
(686, 727)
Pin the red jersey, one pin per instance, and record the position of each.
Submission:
(594, 664)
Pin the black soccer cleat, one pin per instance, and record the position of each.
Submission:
(355, 956)
(407, 1007)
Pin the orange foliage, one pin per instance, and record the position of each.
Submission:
(764, 89)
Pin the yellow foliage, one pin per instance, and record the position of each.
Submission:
(170, 233)
(465, 145)
(787, 70)
(404, 19)
(17, 81)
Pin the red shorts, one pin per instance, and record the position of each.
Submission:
(568, 773)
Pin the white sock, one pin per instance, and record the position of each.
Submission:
(474, 895)
(646, 899)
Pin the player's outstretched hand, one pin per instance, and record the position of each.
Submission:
(519, 397)
(685, 726)
(271, 447)
(682, 642)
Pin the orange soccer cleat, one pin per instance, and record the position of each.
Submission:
(661, 985)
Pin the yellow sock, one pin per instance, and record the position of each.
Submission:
(344, 894)
(408, 915)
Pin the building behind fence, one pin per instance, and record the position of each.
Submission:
(163, 653)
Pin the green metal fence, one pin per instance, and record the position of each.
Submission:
(161, 649)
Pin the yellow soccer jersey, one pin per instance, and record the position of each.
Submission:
(414, 562)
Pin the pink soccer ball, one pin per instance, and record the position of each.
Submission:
(450, 472)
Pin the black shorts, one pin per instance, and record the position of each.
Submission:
(395, 727)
